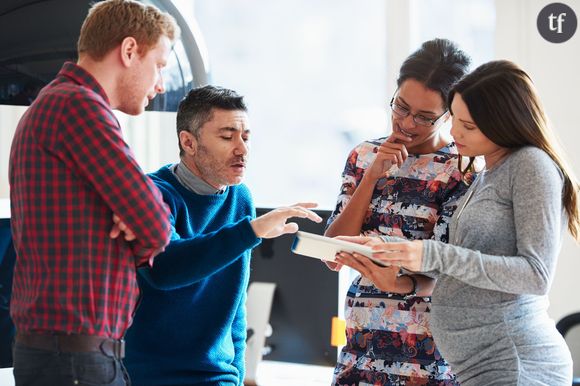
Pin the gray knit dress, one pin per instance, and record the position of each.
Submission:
(489, 314)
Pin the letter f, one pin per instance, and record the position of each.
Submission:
(560, 22)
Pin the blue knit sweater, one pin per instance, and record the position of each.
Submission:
(190, 327)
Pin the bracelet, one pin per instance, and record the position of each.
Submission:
(413, 291)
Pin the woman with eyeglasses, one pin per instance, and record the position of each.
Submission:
(404, 185)
(505, 239)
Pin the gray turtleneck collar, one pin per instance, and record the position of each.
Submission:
(191, 181)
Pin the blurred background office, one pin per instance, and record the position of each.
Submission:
(318, 76)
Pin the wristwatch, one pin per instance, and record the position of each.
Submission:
(413, 291)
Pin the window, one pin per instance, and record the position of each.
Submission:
(317, 75)
(313, 76)
(471, 24)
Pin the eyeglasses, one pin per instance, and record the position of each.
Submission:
(403, 112)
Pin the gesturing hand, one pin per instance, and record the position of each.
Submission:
(273, 223)
(392, 151)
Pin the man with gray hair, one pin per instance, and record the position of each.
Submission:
(190, 328)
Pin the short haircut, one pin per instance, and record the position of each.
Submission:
(438, 64)
(109, 22)
(197, 107)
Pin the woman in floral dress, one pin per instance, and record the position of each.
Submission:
(403, 185)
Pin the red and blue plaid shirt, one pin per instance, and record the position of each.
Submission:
(70, 170)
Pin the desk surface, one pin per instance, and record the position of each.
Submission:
(271, 373)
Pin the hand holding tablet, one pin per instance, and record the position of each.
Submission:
(325, 248)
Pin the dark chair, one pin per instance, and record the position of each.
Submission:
(569, 327)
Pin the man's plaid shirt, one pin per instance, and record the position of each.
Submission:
(69, 171)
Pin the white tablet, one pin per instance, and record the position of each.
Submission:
(325, 248)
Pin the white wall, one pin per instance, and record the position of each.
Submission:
(555, 69)
(9, 117)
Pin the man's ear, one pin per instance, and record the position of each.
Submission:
(188, 142)
(129, 48)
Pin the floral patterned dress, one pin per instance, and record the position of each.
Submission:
(388, 338)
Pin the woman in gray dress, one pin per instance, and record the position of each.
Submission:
(489, 312)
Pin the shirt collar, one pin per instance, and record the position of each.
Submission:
(81, 76)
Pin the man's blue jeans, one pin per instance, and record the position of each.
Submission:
(34, 367)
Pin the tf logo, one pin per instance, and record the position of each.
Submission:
(557, 22)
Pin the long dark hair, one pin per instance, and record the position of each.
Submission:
(505, 106)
